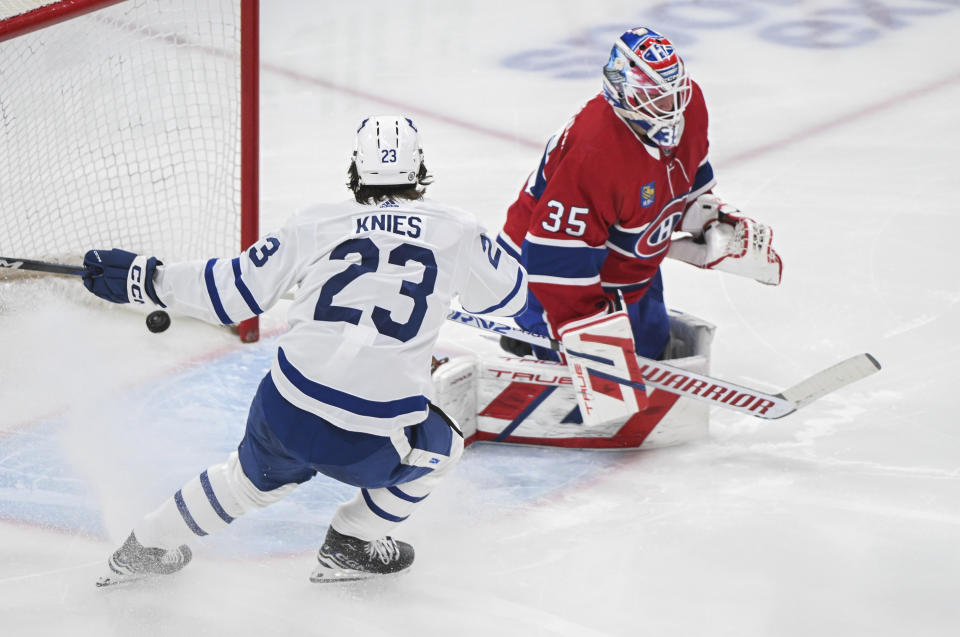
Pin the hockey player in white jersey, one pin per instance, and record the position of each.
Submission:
(347, 394)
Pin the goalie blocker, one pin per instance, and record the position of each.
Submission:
(607, 381)
(507, 399)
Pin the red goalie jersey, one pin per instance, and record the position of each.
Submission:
(597, 214)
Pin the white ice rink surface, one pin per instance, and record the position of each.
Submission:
(834, 122)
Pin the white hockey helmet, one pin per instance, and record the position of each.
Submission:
(388, 151)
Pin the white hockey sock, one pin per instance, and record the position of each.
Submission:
(205, 505)
(373, 513)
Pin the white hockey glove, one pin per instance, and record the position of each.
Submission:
(722, 239)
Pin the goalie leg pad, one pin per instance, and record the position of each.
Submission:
(520, 400)
(455, 391)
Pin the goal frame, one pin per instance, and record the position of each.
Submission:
(56, 12)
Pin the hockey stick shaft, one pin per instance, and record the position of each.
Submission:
(42, 266)
(157, 321)
(709, 389)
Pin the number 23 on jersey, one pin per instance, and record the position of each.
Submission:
(369, 262)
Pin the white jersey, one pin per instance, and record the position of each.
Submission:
(375, 285)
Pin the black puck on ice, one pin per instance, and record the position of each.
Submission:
(158, 321)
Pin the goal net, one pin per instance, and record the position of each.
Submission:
(122, 125)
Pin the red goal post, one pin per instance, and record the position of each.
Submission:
(129, 123)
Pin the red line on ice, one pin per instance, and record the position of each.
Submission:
(904, 98)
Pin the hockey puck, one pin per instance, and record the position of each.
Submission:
(158, 321)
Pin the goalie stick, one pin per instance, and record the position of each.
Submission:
(714, 391)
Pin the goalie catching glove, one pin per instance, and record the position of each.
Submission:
(722, 239)
(119, 276)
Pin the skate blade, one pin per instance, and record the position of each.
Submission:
(327, 574)
(321, 575)
(115, 580)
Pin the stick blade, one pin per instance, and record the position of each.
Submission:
(831, 379)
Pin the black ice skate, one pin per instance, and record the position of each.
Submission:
(343, 558)
(133, 561)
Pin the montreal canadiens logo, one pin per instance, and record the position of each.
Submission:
(657, 52)
(656, 236)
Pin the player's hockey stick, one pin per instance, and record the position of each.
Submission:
(157, 321)
(41, 266)
(714, 391)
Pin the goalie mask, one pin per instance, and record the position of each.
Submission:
(388, 152)
(646, 82)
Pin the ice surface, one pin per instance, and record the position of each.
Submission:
(835, 122)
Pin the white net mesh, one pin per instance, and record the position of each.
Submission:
(121, 128)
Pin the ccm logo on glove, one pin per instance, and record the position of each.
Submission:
(119, 276)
